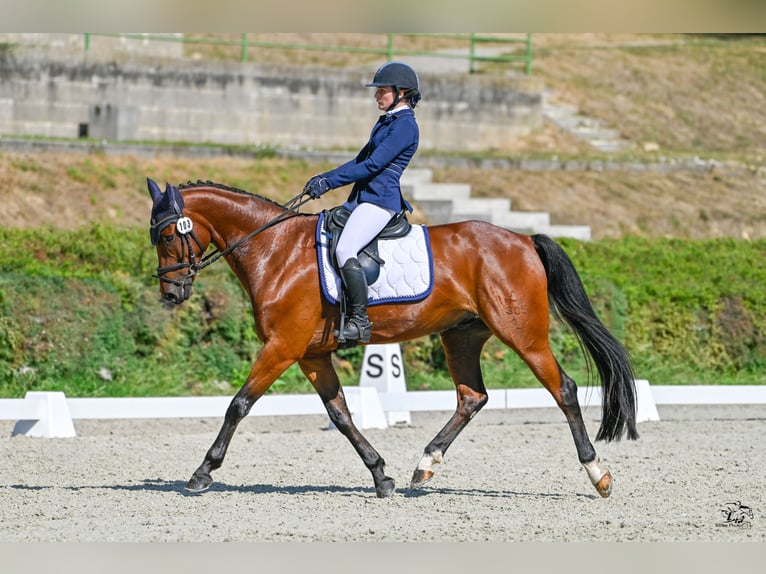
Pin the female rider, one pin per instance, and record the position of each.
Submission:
(376, 195)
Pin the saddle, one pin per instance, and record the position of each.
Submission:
(369, 257)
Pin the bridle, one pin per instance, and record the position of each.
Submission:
(188, 259)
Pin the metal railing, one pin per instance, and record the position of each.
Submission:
(463, 46)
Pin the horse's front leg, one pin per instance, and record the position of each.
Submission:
(265, 371)
(322, 375)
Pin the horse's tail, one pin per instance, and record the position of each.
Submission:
(570, 302)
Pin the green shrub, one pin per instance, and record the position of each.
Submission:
(80, 312)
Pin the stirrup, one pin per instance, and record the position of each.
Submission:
(359, 332)
(355, 330)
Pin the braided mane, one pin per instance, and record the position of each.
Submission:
(199, 183)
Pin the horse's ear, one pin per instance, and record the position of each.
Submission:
(154, 189)
(174, 197)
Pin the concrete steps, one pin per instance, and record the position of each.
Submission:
(479, 208)
(452, 202)
(591, 130)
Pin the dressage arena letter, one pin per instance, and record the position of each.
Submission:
(373, 367)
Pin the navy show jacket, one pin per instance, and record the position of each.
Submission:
(379, 165)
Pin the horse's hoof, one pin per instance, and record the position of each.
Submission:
(199, 483)
(421, 477)
(385, 488)
(604, 486)
(600, 477)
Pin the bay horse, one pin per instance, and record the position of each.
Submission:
(487, 281)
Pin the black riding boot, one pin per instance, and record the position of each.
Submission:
(358, 326)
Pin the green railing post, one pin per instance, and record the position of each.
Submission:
(244, 46)
(471, 52)
(390, 48)
(528, 67)
(87, 41)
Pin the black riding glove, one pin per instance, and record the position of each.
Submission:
(316, 186)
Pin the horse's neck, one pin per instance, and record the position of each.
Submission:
(231, 214)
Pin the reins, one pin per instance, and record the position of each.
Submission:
(291, 207)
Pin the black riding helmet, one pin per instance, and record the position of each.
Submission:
(401, 77)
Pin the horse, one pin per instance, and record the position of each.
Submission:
(487, 281)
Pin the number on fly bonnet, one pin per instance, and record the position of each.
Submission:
(184, 225)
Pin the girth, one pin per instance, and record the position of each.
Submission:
(369, 258)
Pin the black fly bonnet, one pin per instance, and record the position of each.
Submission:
(167, 208)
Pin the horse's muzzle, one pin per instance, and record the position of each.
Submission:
(176, 295)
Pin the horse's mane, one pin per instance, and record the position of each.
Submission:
(199, 183)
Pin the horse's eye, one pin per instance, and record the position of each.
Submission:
(168, 239)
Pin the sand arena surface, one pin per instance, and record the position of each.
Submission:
(511, 476)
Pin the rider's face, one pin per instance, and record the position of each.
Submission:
(384, 95)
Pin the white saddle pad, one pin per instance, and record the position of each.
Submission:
(407, 274)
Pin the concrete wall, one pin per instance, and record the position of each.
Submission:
(127, 97)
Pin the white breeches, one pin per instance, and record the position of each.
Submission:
(364, 223)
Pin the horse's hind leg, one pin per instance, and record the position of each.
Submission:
(599, 475)
(564, 391)
(462, 346)
(526, 331)
(322, 375)
(566, 398)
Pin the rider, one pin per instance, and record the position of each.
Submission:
(376, 195)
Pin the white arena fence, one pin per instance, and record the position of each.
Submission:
(380, 400)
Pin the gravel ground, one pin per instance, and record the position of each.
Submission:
(511, 476)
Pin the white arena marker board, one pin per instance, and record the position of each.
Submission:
(383, 369)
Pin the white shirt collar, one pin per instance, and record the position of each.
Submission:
(398, 108)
